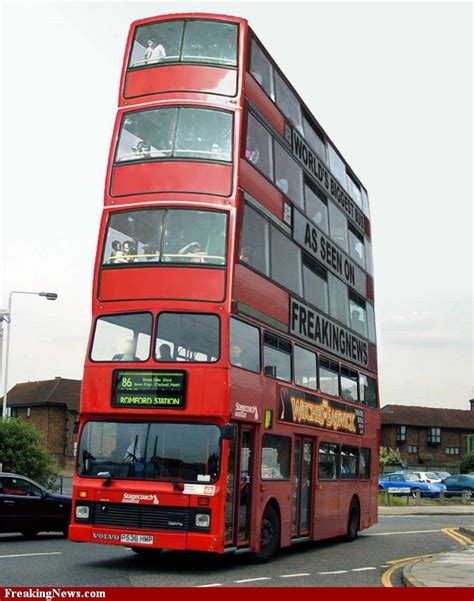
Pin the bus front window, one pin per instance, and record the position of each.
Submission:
(193, 41)
(175, 133)
(166, 236)
(122, 337)
(187, 337)
(150, 451)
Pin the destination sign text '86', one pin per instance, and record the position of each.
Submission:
(156, 389)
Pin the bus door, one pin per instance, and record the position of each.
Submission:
(303, 484)
(239, 487)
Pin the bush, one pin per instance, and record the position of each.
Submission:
(467, 464)
(389, 456)
(22, 452)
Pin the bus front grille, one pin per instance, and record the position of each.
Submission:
(141, 516)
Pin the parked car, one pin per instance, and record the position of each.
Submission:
(458, 484)
(442, 475)
(430, 477)
(27, 507)
(403, 480)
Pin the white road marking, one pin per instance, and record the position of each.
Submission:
(362, 569)
(31, 554)
(253, 579)
(207, 585)
(402, 532)
(293, 575)
(335, 572)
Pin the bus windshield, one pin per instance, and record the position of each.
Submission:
(166, 236)
(175, 133)
(194, 41)
(150, 451)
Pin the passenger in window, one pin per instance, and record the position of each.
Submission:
(164, 351)
(129, 252)
(356, 320)
(116, 253)
(142, 150)
(252, 155)
(235, 355)
(195, 250)
(154, 51)
(127, 353)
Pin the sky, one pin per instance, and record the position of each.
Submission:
(390, 82)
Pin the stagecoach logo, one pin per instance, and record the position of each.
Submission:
(105, 536)
(137, 498)
(246, 411)
(297, 407)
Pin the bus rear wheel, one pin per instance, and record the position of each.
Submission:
(353, 522)
(269, 536)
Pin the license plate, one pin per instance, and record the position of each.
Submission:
(143, 539)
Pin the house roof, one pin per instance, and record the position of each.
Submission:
(406, 415)
(60, 391)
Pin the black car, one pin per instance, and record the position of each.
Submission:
(27, 507)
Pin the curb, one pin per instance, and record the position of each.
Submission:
(407, 577)
(468, 531)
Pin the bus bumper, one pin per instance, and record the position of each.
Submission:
(181, 541)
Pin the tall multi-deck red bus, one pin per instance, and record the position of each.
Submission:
(229, 400)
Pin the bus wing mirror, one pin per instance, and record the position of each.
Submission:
(227, 432)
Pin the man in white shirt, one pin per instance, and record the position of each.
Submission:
(154, 52)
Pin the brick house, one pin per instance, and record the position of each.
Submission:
(52, 407)
(427, 435)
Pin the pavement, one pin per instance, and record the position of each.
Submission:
(455, 568)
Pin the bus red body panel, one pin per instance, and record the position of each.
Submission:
(169, 79)
(148, 178)
(165, 283)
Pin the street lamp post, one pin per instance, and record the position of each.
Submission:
(7, 316)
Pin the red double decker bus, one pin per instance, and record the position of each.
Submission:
(229, 400)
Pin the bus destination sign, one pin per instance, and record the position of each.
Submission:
(157, 389)
(305, 409)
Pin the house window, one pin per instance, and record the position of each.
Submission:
(434, 435)
(401, 433)
(452, 450)
(412, 449)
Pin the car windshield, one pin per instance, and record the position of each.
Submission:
(150, 451)
(412, 478)
(432, 476)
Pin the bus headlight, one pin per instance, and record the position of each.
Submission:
(203, 520)
(82, 512)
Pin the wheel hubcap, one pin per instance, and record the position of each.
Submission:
(267, 533)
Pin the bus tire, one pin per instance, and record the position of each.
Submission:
(146, 552)
(269, 536)
(353, 522)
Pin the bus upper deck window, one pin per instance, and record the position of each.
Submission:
(181, 41)
(178, 132)
(210, 42)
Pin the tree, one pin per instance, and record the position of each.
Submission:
(22, 451)
(389, 456)
(467, 464)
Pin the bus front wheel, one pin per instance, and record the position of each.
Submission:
(269, 536)
(353, 522)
